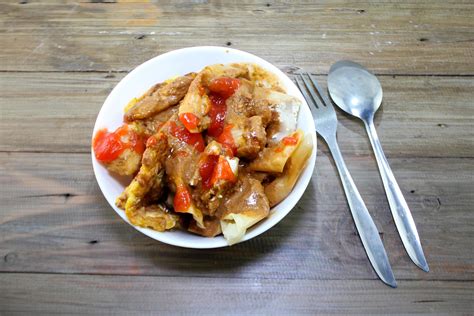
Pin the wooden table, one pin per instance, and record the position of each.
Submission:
(64, 250)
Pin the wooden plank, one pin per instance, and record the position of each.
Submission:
(54, 219)
(62, 248)
(388, 37)
(91, 294)
(421, 116)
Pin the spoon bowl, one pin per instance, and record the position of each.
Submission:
(354, 89)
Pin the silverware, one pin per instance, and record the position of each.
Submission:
(358, 92)
(326, 126)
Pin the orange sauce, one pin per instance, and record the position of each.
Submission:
(108, 146)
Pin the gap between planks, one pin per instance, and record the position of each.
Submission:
(224, 277)
(91, 71)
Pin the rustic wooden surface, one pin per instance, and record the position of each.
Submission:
(64, 250)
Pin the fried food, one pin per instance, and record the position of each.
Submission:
(273, 159)
(152, 164)
(210, 152)
(246, 206)
(278, 189)
(120, 151)
(159, 97)
(212, 227)
(156, 217)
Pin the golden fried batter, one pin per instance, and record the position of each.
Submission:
(152, 164)
(156, 217)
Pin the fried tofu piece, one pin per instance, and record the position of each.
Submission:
(159, 97)
(126, 164)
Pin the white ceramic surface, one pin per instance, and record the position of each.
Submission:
(179, 62)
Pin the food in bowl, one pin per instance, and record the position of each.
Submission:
(210, 152)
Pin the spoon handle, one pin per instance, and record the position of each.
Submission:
(369, 235)
(400, 211)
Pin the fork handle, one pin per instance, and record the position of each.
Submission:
(368, 232)
(400, 211)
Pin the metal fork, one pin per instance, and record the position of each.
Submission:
(326, 125)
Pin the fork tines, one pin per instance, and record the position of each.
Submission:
(323, 112)
(307, 83)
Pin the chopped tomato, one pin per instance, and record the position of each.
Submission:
(214, 168)
(221, 89)
(109, 145)
(151, 141)
(224, 86)
(217, 115)
(182, 199)
(222, 171)
(228, 152)
(206, 169)
(137, 142)
(189, 120)
(290, 140)
(279, 149)
(193, 139)
(226, 138)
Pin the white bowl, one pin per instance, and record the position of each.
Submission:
(179, 62)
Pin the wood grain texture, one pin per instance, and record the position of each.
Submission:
(123, 295)
(420, 37)
(64, 250)
(418, 114)
(55, 219)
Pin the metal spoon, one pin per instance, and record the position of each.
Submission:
(358, 92)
